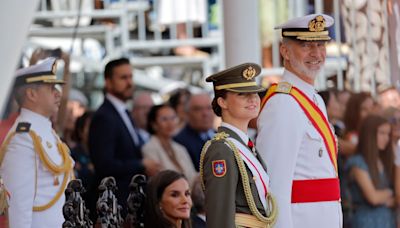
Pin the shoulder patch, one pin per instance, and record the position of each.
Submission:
(23, 127)
(219, 168)
(221, 135)
(283, 87)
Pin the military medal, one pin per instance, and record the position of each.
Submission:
(56, 182)
(49, 145)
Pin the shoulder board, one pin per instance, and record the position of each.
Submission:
(283, 87)
(220, 135)
(23, 127)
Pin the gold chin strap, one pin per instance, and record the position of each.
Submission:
(272, 213)
(65, 168)
(41, 78)
(235, 85)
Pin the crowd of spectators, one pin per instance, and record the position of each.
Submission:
(169, 137)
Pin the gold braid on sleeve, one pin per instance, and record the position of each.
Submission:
(201, 168)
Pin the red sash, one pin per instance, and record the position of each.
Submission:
(313, 113)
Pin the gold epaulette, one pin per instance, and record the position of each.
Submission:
(23, 127)
(220, 135)
(283, 87)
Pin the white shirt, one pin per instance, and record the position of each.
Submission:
(290, 145)
(243, 136)
(121, 109)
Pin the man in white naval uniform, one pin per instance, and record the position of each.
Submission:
(35, 164)
(301, 166)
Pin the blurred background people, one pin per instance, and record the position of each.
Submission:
(162, 122)
(84, 168)
(199, 207)
(76, 106)
(335, 112)
(393, 116)
(371, 175)
(389, 97)
(358, 107)
(168, 201)
(199, 126)
(178, 101)
(142, 103)
(114, 143)
(333, 107)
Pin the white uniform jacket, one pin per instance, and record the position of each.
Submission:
(294, 150)
(27, 180)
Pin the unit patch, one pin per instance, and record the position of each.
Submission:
(219, 168)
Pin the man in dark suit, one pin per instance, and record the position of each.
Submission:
(199, 127)
(114, 143)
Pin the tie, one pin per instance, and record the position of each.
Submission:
(139, 142)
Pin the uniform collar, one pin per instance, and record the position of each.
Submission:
(243, 136)
(117, 103)
(34, 118)
(297, 82)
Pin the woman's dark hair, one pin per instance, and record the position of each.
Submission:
(152, 117)
(175, 98)
(155, 188)
(80, 125)
(216, 108)
(368, 148)
(326, 96)
(352, 115)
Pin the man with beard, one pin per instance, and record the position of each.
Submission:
(295, 138)
(114, 142)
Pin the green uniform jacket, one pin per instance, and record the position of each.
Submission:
(224, 195)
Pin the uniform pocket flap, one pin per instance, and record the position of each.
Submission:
(313, 134)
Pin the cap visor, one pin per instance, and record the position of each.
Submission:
(314, 38)
(249, 89)
(57, 81)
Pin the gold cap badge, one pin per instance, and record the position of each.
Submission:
(249, 73)
(317, 24)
